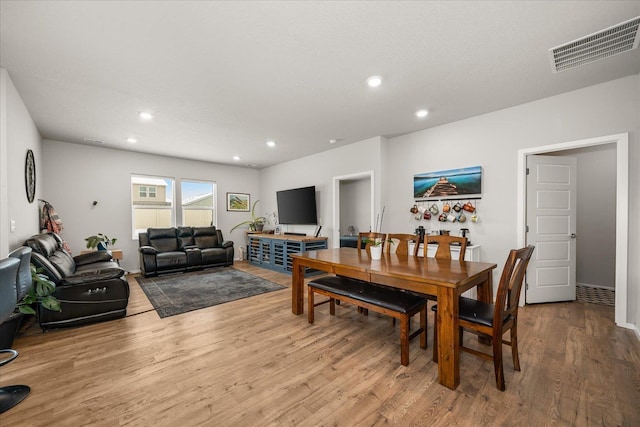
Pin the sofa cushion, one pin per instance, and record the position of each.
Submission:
(213, 256)
(185, 237)
(44, 244)
(95, 272)
(163, 239)
(206, 237)
(171, 260)
(91, 257)
(50, 247)
(49, 270)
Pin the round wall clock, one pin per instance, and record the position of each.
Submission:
(30, 176)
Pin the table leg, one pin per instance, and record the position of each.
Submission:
(297, 288)
(448, 338)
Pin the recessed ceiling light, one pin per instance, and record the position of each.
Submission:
(374, 81)
(271, 143)
(132, 140)
(146, 115)
(236, 158)
(334, 140)
(422, 113)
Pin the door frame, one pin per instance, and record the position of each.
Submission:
(621, 142)
(336, 200)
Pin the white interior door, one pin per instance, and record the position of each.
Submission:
(551, 223)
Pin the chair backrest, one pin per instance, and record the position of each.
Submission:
(399, 243)
(369, 238)
(24, 281)
(444, 245)
(510, 285)
(8, 277)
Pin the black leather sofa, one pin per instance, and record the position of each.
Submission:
(179, 249)
(90, 287)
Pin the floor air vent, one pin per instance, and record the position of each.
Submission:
(603, 44)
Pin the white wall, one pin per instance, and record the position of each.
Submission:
(75, 175)
(493, 140)
(18, 134)
(319, 170)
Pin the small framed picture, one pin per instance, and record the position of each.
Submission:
(278, 230)
(238, 202)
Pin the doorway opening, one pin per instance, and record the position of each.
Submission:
(621, 142)
(362, 202)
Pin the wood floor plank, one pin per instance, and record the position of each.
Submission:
(252, 362)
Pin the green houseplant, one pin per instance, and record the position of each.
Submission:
(100, 241)
(255, 223)
(40, 293)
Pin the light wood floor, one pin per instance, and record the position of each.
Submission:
(253, 363)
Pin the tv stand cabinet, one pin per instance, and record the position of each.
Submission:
(273, 251)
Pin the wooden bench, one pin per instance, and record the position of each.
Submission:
(392, 302)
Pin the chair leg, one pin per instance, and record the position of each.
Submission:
(423, 326)
(404, 340)
(11, 395)
(332, 306)
(311, 306)
(435, 340)
(514, 346)
(497, 362)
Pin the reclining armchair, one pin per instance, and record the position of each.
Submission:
(90, 287)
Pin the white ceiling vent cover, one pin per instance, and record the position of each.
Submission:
(603, 44)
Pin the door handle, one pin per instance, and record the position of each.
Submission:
(573, 235)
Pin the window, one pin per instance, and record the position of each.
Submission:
(152, 203)
(198, 201)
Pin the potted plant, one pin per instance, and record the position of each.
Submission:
(41, 292)
(100, 241)
(256, 223)
(375, 246)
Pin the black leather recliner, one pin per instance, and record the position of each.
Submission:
(176, 249)
(90, 287)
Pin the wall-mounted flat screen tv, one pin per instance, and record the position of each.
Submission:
(297, 206)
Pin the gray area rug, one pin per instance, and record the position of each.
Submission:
(178, 293)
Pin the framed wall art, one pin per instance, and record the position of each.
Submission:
(30, 176)
(449, 184)
(238, 202)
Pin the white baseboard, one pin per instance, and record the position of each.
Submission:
(587, 285)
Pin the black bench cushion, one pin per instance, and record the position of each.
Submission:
(383, 296)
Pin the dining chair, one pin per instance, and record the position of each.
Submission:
(398, 243)
(493, 320)
(444, 245)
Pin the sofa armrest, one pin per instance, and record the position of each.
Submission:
(227, 244)
(148, 250)
(91, 257)
(97, 275)
(189, 247)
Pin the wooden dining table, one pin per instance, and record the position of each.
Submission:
(445, 279)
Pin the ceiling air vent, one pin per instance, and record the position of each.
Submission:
(603, 44)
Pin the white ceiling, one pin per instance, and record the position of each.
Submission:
(222, 78)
